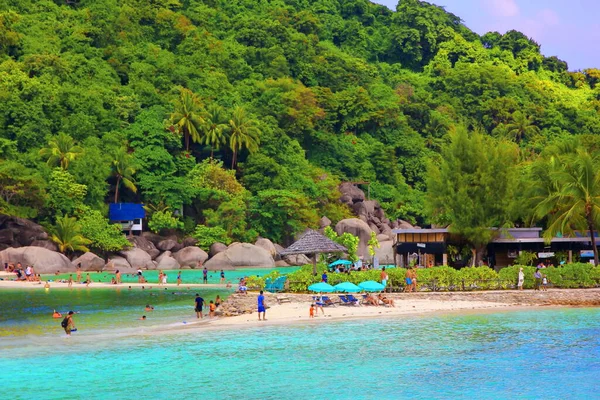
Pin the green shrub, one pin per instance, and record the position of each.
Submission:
(207, 235)
(164, 220)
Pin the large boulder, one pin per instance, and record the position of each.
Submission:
(382, 238)
(241, 255)
(404, 225)
(349, 189)
(267, 245)
(278, 248)
(165, 254)
(216, 248)
(189, 241)
(190, 256)
(386, 230)
(119, 263)
(374, 228)
(153, 237)
(144, 244)
(44, 261)
(89, 262)
(137, 258)
(168, 262)
(324, 222)
(296, 259)
(358, 228)
(46, 244)
(385, 252)
(168, 244)
(281, 263)
(17, 232)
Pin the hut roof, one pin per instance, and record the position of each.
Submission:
(312, 242)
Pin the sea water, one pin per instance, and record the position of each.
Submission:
(534, 354)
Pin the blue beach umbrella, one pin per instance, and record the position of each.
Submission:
(347, 287)
(340, 262)
(371, 286)
(321, 287)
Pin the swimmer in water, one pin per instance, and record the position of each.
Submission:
(47, 285)
(149, 308)
(56, 314)
(143, 318)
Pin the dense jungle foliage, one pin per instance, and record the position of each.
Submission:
(247, 114)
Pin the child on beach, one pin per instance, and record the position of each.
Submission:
(544, 283)
(211, 309)
(312, 311)
(179, 278)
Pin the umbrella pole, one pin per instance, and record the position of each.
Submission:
(314, 260)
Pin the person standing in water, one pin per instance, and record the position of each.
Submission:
(204, 275)
(179, 278)
(78, 276)
(68, 324)
(88, 280)
(222, 276)
(199, 303)
(261, 306)
(118, 277)
(70, 281)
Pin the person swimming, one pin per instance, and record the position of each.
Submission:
(56, 314)
(149, 308)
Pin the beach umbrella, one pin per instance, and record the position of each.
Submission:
(347, 287)
(340, 262)
(321, 287)
(371, 286)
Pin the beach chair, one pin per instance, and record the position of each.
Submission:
(327, 302)
(345, 301)
(268, 284)
(353, 299)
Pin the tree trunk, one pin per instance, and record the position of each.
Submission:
(212, 150)
(314, 260)
(593, 239)
(186, 135)
(117, 189)
(233, 159)
(477, 255)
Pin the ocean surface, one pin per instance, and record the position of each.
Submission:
(534, 354)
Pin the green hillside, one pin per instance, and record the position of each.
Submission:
(288, 97)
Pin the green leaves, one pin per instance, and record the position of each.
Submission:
(67, 235)
(104, 237)
(164, 220)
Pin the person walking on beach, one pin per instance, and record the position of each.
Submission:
(384, 277)
(70, 281)
(88, 280)
(78, 271)
(521, 279)
(538, 279)
(222, 277)
(544, 283)
(160, 277)
(261, 306)
(319, 304)
(204, 275)
(199, 303)
(118, 276)
(68, 324)
(179, 278)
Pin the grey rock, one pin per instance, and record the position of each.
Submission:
(168, 262)
(241, 255)
(216, 248)
(358, 228)
(119, 263)
(44, 261)
(137, 258)
(267, 245)
(324, 222)
(165, 254)
(167, 244)
(89, 262)
(46, 244)
(297, 259)
(190, 256)
(189, 241)
(351, 190)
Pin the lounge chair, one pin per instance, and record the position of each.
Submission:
(353, 299)
(327, 302)
(345, 301)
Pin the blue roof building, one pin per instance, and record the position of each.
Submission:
(129, 215)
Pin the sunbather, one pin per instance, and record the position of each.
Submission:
(386, 301)
(369, 299)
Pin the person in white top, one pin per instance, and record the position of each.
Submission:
(521, 279)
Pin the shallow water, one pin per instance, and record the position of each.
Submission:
(549, 353)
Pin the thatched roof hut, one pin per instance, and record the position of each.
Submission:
(312, 242)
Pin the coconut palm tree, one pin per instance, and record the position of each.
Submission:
(573, 202)
(66, 234)
(215, 127)
(61, 150)
(521, 127)
(123, 170)
(187, 117)
(243, 133)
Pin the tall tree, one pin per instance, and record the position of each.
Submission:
(215, 127)
(61, 150)
(243, 133)
(573, 199)
(472, 188)
(187, 117)
(67, 235)
(123, 171)
(521, 127)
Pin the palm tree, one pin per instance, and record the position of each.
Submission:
(187, 117)
(61, 150)
(66, 234)
(521, 127)
(215, 127)
(123, 170)
(573, 202)
(243, 133)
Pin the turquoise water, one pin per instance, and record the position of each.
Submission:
(187, 275)
(549, 353)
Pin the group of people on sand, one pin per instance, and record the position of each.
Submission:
(411, 280)
(540, 279)
(22, 274)
(212, 306)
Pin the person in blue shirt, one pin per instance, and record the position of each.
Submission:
(261, 306)
(198, 308)
(204, 275)
(324, 277)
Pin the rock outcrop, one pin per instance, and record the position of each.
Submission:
(190, 256)
(138, 258)
(216, 248)
(44, 261)
(167, 262)
(358, 228)
(19, 232)
(267, 245)
(241, 255)
(46, 244)
(296, 259)
(385, 252)
(89, 262)
(119, 263)
(144, 244)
